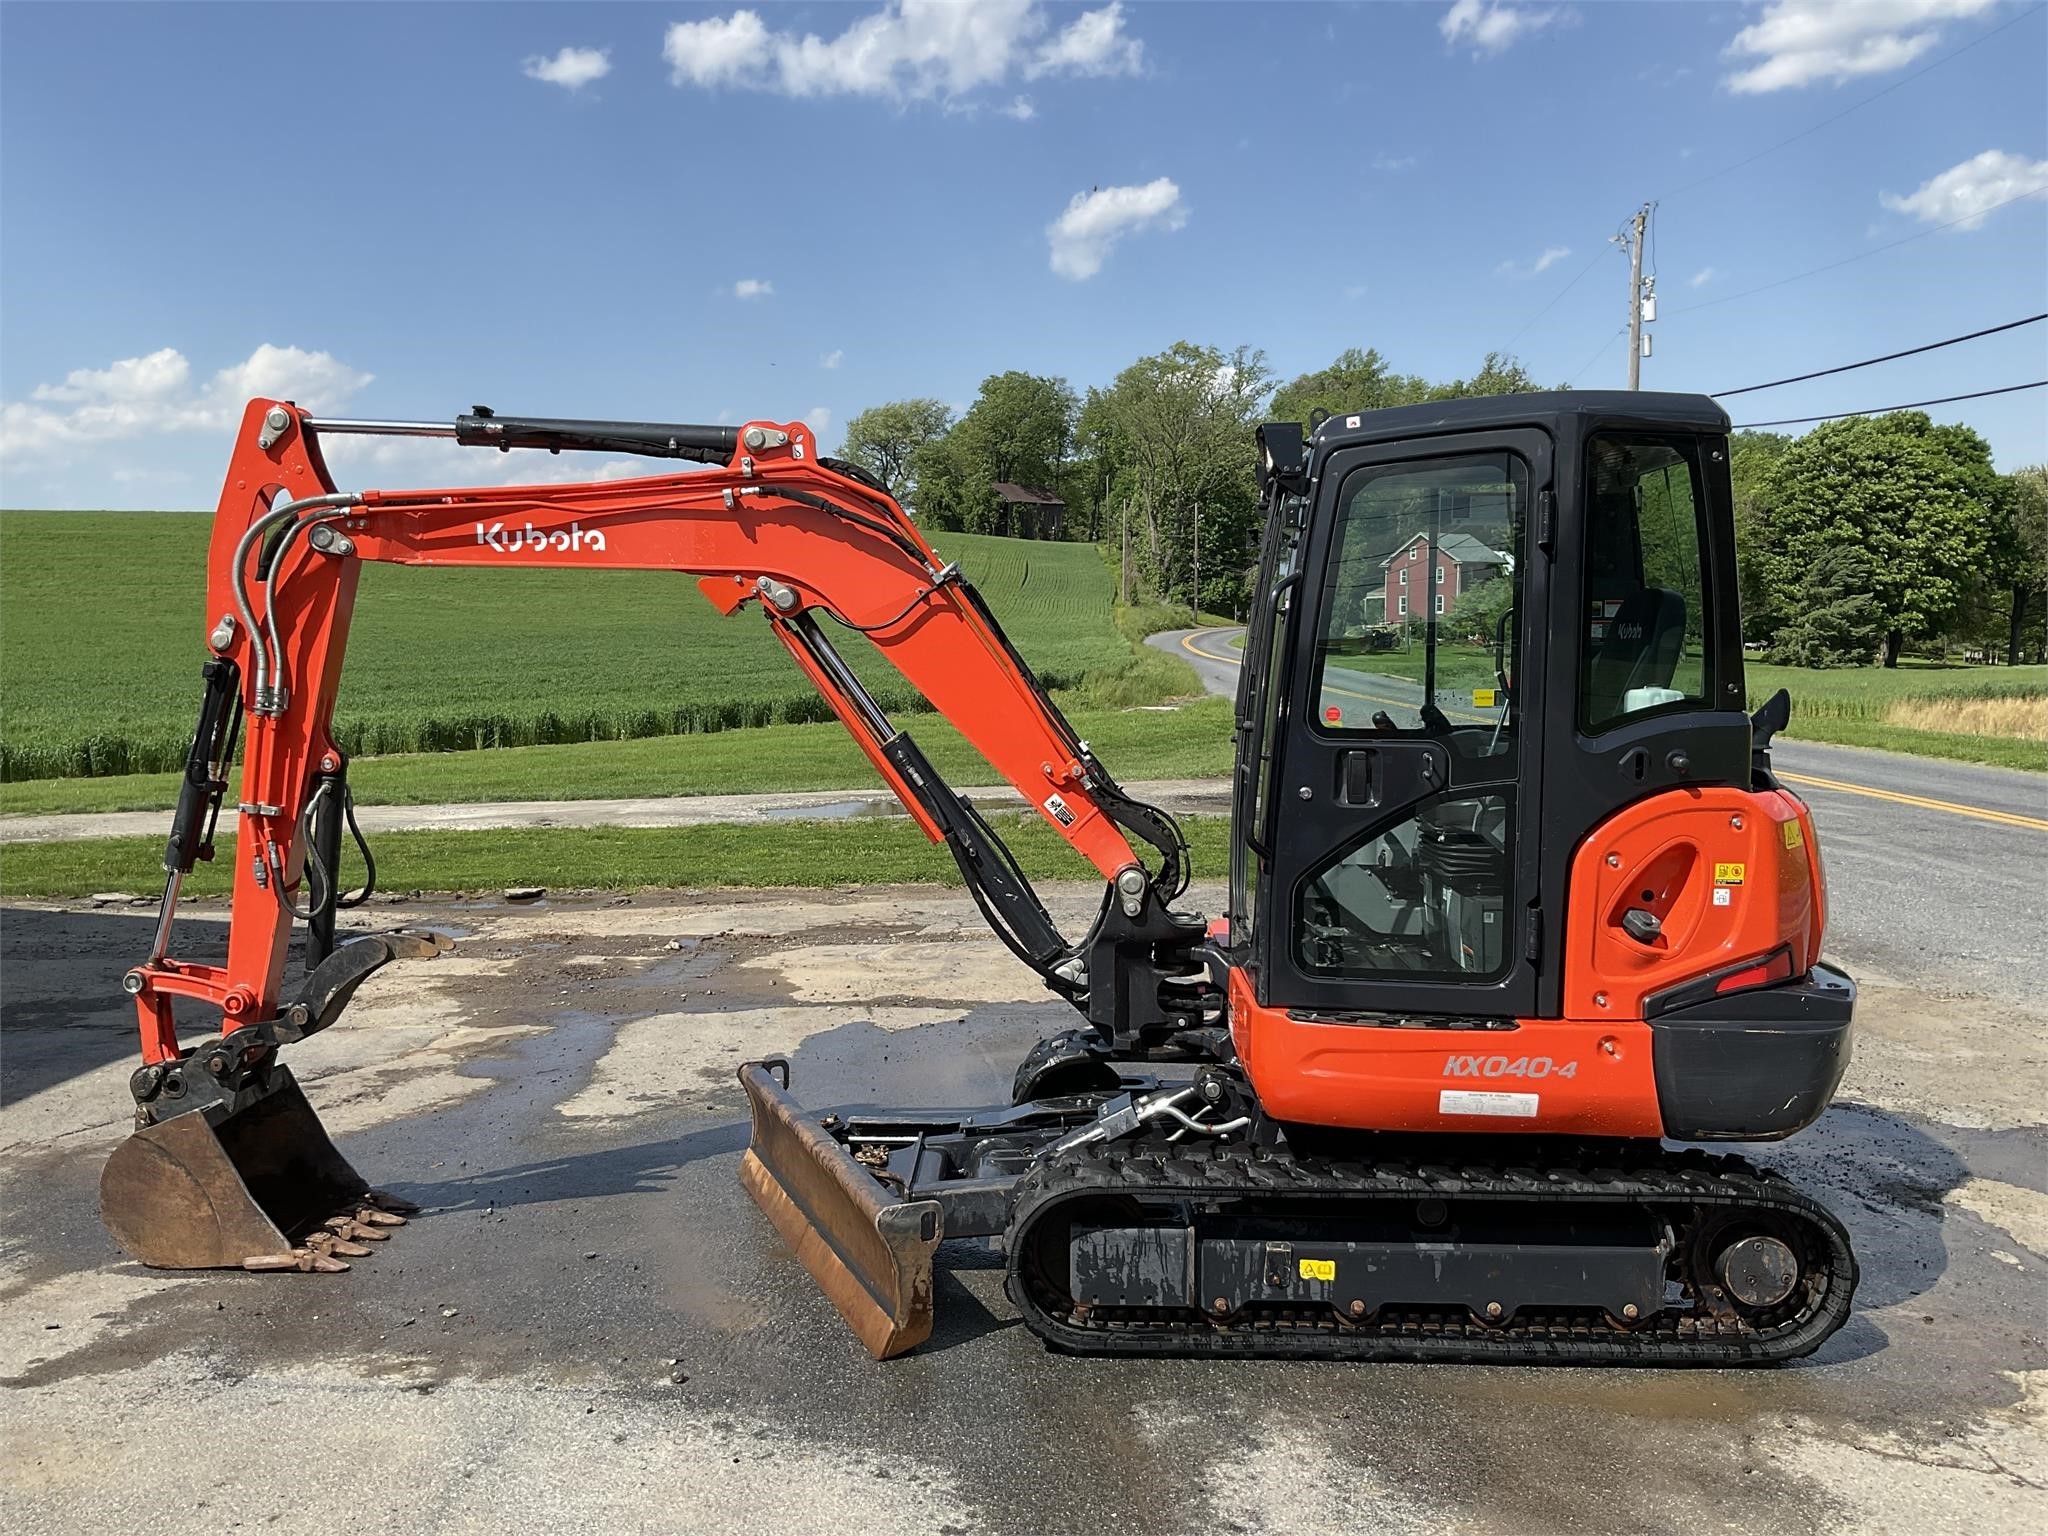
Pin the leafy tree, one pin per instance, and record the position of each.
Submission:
(1900, 491)
(2018, 563)
(885, 439)
(1478, 610)
(1180, 424)
(1019, 429)
(1752, 455)
(1363, 381)
(1835, 620)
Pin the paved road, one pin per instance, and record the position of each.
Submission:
(1937, 871)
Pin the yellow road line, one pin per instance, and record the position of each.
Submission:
(1978, 812)
(1950, 807)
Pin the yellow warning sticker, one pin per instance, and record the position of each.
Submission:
(1794, 837)
(1318, 1269)
(1728, 874)
(1483, 698)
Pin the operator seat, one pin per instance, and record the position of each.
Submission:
(1640, 650)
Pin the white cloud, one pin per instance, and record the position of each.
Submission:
(143, 396)
(819, 419)
(1701, 278)
(572, 68)
(1796, 42)
(1084, 235)
(909, 50)
(1021, 109)
(1094, 43)
(1550, 257)
(1490, 26)
(1354, 293)
(1386, 162)
(833, 358)
(1969, 191)
(752, 288)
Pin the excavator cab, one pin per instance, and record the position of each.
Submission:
(1486, 626)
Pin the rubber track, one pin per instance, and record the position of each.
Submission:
(1703, 1183)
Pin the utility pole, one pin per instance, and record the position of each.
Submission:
(1642, 295)
(1198, 562)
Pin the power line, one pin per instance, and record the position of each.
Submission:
(1885, 410)
(1858, 107)
(1875, 250)
(1610, 341)
(1547, 308)
(1932, 346)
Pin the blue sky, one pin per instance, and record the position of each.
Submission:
(399, 210)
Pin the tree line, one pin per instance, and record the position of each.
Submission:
(1855, 541)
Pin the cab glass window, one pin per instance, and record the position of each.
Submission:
(1416, 630)
(1644, 629)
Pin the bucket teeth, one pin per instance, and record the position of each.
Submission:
(350, 1230)
(373, 1216)
(307, 1261)
(335, 1243)
(384, 1200)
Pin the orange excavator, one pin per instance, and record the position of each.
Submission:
(1515, 902)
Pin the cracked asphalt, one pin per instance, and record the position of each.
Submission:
(591, 1325)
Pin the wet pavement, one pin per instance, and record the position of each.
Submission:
(591, 1324)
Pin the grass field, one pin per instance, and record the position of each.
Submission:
(1192, 741)
(101, 628)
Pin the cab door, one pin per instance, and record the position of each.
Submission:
(1399, 848)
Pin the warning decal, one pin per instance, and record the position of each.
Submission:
(1728, 874)
(1318, 1269)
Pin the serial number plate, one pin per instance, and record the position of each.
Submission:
(1467, 1101)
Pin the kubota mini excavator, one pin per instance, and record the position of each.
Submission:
(1514, 902)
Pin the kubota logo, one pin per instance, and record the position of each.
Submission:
(538, 540)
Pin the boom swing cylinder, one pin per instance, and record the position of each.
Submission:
(1407, 1100)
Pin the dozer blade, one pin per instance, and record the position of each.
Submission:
(220, 1186)
(871, 1257)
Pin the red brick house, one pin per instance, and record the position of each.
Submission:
(1415, 588)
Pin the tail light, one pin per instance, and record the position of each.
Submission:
(1743, 976)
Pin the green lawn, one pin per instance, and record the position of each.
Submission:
(102, 624)
(1192, 741)
(809, 854)
(1864, 692)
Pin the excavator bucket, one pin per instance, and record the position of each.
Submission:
(228, 1188)
(872, 1257)
(247, 1178)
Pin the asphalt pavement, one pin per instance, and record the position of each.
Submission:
(590, 1327)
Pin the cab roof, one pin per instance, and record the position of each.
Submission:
(1580, 411)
